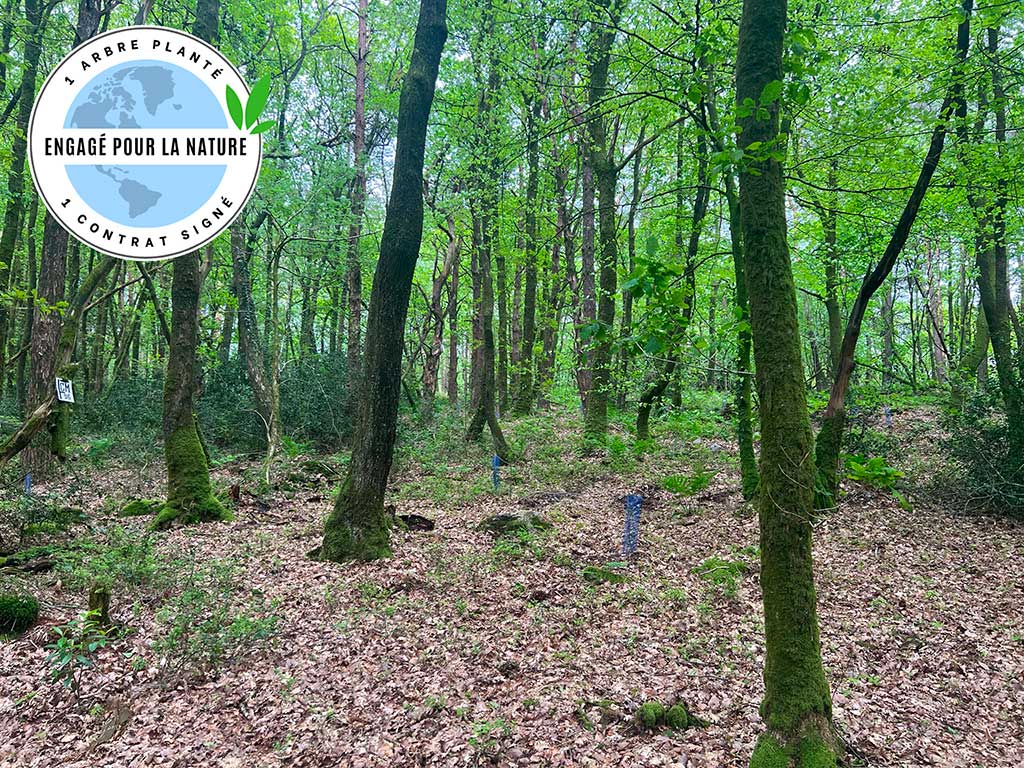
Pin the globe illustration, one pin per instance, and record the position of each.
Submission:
(144, 95)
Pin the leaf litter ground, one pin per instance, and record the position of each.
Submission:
(458, 651)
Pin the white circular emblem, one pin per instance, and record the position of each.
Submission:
(144, 143)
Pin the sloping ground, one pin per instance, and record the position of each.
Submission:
(457, 652)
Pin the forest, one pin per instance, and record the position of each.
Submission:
(584, 383)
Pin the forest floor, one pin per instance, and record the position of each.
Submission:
(237, 650)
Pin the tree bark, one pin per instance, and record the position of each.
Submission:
(595, 413)
(358, 527)
(797, 708)
(190, 497)
(354, 268)
(14, 212)
(526, 393)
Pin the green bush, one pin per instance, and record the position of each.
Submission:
(18, 612)
(872, 471)
(978, 477)
(687, 485)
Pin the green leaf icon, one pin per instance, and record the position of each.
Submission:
(264, 126)
(234, 107)
(257, 101)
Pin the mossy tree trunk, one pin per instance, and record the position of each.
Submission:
(358, 527)
(190, 497)
(606, 172)
(749, 478)
(744, 373)
(42, 417)
(47, 323)
(797, 708)
(830, 436)
(35, 18)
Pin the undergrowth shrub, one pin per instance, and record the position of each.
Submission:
(978, 477)
(203, 628)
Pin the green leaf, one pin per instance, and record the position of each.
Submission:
(257, 100)
(771, 92)
(234, 107)
(264, 126)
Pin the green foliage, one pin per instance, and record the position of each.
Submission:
(723, 574)
(872, 471)
(523, 542)
(687, 485)
(488, 735)
(36, 514)
(203, 630)
(18, 611)
(74, 649)
(979, 478)
(609, 573)
(118, 558)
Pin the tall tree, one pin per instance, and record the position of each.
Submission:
(190, 497)
(601, 151)
(358, 527)
(830, 436)
(797, 707)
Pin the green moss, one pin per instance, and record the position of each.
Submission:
(606, 574)
(811, 752)
(650, 714)
(814, 753)
(18, 612)
(190, 496)
(358, 528)
(769, 754)
(677, 718)
(827, 447)
(140, 507)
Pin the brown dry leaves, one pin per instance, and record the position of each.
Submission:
(450, 654)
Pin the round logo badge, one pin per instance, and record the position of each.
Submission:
(145, 142)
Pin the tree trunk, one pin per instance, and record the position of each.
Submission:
(600, 152)
(250, 346)
(797, 708)
(830, 436)
(190, 497)
(525, 395)
(14, 213)
(354, 269)
(453, 336)
(358, 527)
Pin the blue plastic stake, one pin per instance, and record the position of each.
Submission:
(28, 483)
(495, 474)
(631, 531)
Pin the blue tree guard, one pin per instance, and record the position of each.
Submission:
(495, 474)
(631, 532)
(28, 483)
(888, 416)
